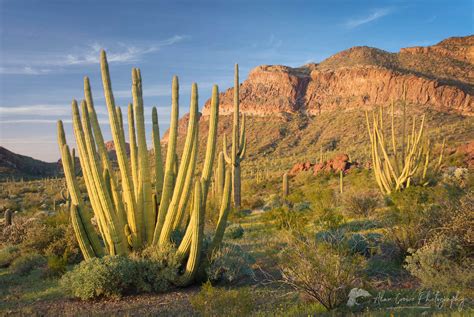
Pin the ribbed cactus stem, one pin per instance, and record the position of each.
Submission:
(8, 217)
(196, 240)
(285, 185)
(119, 142)
(159, 175)
(183, 166)
(341, 184)
(144, 212)
(168, 181)
(220, 175)
(223, 212)
(81, 235)
(133, 146)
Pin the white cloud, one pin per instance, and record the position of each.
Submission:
(375, 15)
(26, 70)
(41, 110)
(116, 53)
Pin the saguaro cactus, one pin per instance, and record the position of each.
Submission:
(238, 144)
(396, 169)
(140, 207)
(8, 217)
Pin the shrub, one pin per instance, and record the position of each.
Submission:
(8, 254)
(56, 266)
(234, 231)
(110, 276)
(229, 264)
(24, 264)
(364, 244)
(113, 276)
(361, 204)
(443, 265)
(319, 271)
(287, 218)
(212, 301)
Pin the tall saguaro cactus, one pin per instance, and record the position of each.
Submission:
(136, 207)
(238, 144)
(396, 169)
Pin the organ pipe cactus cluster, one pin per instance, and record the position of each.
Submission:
(238, 144)
(138, 207)
(399, 167)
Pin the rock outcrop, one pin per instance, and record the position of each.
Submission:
(340, 162)
(439, 77)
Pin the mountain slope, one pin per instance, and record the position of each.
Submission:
(20, 166)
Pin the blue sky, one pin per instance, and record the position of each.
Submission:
(46, 47)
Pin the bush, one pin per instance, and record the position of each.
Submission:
(8, 254)
(24, 264)
(114, 276)
(56, 266)
(287, 218)
(212, 301)
(229, 264)
(110, 276)
(319, 271)
(364, 244)
(234, 231)
(361, 204)
(443, 265)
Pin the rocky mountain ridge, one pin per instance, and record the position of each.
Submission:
(440, 77)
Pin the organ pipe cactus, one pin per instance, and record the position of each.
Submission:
(396, 169)
(136, 207)
(238, 144)
(285, 185)
(220, 175)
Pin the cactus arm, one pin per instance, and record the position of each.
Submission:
(129, 196)
(243, 148)
(76, 198)
(170, 161)
(224, 150)
(192, 264)
(192, 133)
(113, 221)
(157, 151)
(440, 160)
(183, 201)
(144, 215)
(220, 175)
(394, 144)
(223, 213)
(133, 146)
(242, 140)
(81, 235)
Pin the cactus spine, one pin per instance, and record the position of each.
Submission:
(285, 185)
(238, 144)
(395, 170)
(130, 213)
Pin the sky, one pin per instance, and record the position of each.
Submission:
(47, 47)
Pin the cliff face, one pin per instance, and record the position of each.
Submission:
(440, 77)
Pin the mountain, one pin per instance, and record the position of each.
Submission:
(294, 113)
(440, 77)
(20, 166)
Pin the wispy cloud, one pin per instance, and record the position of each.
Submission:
(374, 15)
(26, 70)
(116, 53)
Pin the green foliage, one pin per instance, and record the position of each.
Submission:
(234, 231)
(110, 276)
(229, 264)
(8, 254)
(361, 204)
(213, 301)
(287, 218)
(443, 265)
(25, 263)
(320, 271)
(364, 244)
(56, 266)
(113, 276)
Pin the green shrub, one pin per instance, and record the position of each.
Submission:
(287, 218)
(113, 276)
(443, 265)
(229, 264)
(364, 244)
(24, 264)
(56, 266)
(319, 271)
(110, 276)
(213, 301)
(361, 204)
(234, 231)
(8, 254)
